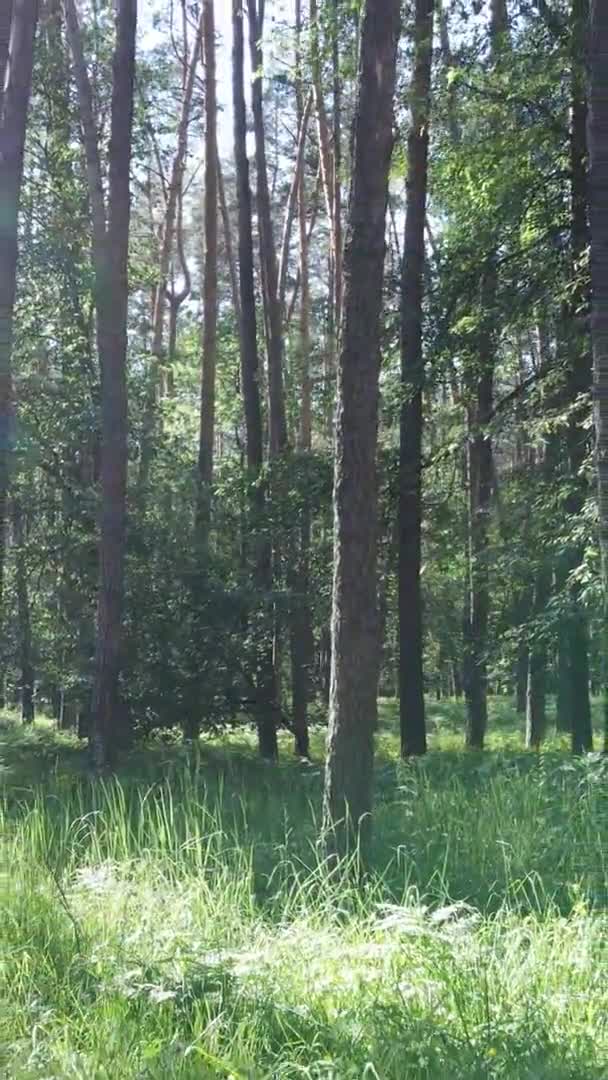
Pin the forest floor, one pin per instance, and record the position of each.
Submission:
(179, 921)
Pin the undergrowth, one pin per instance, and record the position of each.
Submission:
(180, 920)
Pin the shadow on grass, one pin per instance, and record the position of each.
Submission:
(505, 826)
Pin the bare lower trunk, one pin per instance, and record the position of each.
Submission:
(480, 473)
(536, 692)
(108, 729)
(598, 149)
(14, 103)
(413, 726)
(354, 676)
(24, 623)
(267, 708)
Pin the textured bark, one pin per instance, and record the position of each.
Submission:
(110, 251)
(268, 256)
(174, 189)
(24, 624)
(13, 121)
(6, 10)
(578, 355)
(227, 230)
(210, 296)
(303, 115)
(480, 468)
(337, 161)
(413, 727)
(354, 676)
(480, 474)
(598, 150)
(521, 677)
(266, 690)
(536, 714)
(300, 631)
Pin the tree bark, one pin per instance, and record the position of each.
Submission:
(578, 347)
(267, 706)
(268, 256)
(301, 634)
(210, 296)
(480, 469)
(354, 676)
(598, 150)
(26, 663)
(16, 73)
(413, 726)
(6, 12)
(536, 715)
(110, 252)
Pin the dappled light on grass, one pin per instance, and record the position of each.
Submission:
(181, 919)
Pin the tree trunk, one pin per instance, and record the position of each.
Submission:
(598, 150)
(210, 298)
(480, 473)
(536, 715)
(354, 676)
(521, 677)
(337, 162)
(14, 102)
(267, 707)
(413, 726)
(480, 468)
(268, 256)
(26, 663)
(110, 251)
(576, 630)
(301, 635)
(5, 35)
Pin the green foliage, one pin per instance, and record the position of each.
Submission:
(180, 920)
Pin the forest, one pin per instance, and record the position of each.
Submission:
(304, 539)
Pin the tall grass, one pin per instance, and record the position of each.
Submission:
(181, 921)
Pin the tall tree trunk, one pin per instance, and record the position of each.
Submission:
(210, 299)
(24, 623)
(268, 255)
(110, 251)
(227, 230)
(301, 634)
(536, 716)
(16, 76)
(598, 150)
(6, 12)
(266, 689)
(480, 469)
(337, 162)
(354, 676)
(578, 346)
(413, 727)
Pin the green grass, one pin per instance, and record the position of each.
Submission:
(180, 921)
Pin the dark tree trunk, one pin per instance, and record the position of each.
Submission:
(579, 381)
(480, 469)
(111, 289)
(480, 475)
(598, 150)
(268, 257)
(267, 706)
(14, 102)
(521, 677)
(210, 298)
(536, 712)
(413, 725)
(6, 11)
(26, 663)
(354, 676)
(301, 635)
